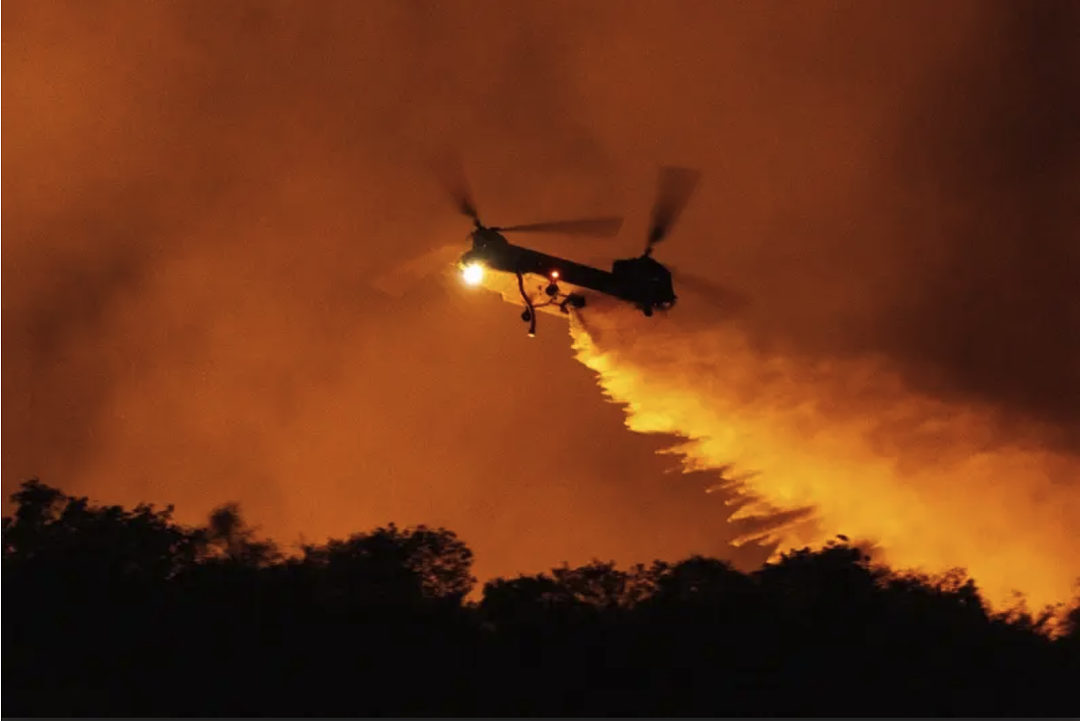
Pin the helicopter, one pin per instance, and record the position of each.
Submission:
(641, 281)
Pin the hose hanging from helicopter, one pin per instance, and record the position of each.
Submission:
(531, 311)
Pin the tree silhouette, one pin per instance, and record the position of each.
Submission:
(92, 543)
(392, 565)
(83, 579)
(228, 538)
(117, 612)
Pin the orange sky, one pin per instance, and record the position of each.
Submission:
(197, 195)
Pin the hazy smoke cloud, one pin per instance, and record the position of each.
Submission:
(990, 186)
(196, 195)
(846, 447)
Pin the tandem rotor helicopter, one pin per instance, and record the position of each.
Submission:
(642, 281)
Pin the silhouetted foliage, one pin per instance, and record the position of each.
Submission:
(116, 612)
(228, 539)
(395, 566)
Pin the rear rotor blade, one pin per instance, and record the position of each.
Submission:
(675, 187)
(594, 227)
(727, 299)
(451, 174)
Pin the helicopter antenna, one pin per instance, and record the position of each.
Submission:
(674, 188)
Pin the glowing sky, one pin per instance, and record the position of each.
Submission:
(198, 194)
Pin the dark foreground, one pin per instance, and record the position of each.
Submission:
(113, 612)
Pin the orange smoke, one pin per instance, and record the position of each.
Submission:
(932, 484)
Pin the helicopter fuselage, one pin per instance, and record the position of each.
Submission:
(641, 281)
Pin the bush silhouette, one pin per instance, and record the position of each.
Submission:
(126, 612)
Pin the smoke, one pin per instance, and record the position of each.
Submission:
(989, 169)
(910, 370)
(196, 196)
(846, 443)
(917, 383)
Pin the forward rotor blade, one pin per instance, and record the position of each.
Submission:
(594, 227)
(451, 174)
(729, 300)
(399, 280)
(674, 189)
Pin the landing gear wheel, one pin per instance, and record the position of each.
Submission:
(526, 315)
(648, 310)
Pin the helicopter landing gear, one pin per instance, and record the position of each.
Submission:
(648, 311)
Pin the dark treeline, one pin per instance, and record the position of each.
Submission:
(118, 612)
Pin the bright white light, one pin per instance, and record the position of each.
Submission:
(473, 273)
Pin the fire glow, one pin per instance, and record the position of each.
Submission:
(921, 479)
